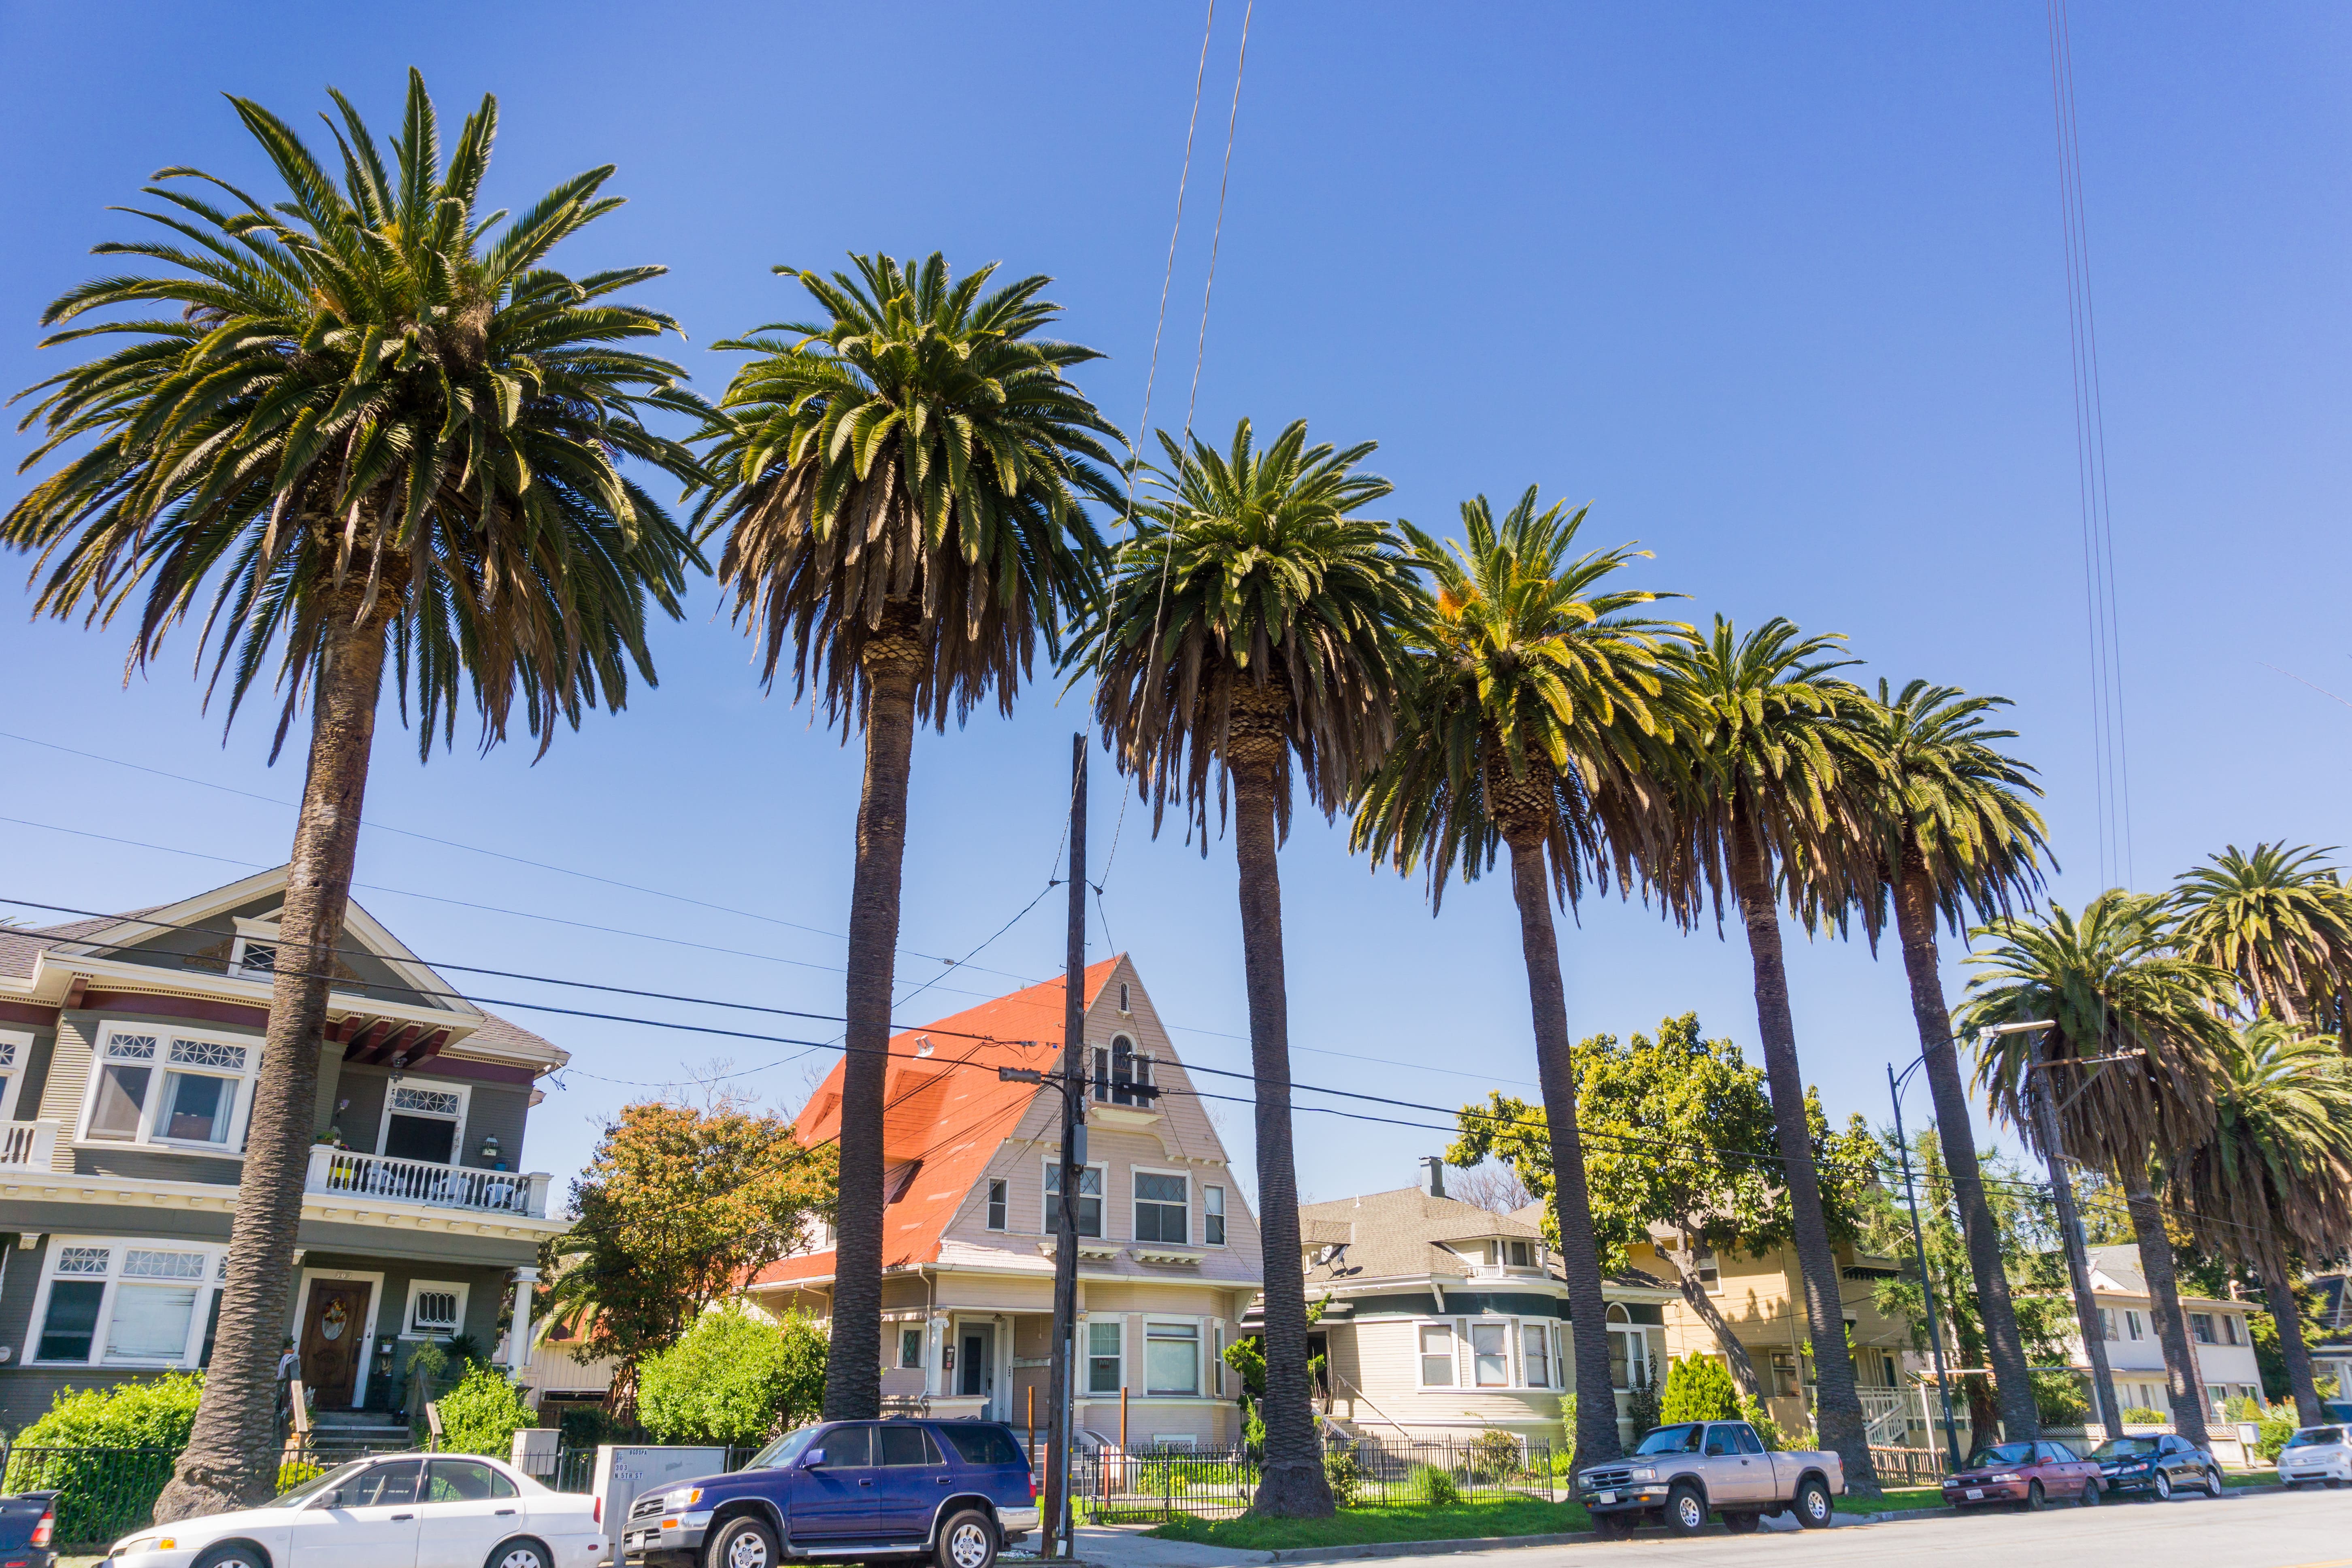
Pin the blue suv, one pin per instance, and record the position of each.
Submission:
(953, 1491)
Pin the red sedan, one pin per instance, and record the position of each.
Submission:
(2029, 1475)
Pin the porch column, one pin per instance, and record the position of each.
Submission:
(518, 1334)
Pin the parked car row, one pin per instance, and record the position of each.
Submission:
(2031, 1476)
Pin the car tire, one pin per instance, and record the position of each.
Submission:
(2090, 1498)
(1743, 1523)
(2213, 1482)
(1812, 1505)
(233, 1555)
(743, 1541)
(1685, 1509)
(2159, 1486)
(522, 1551)
(968, 1539)
(2036, 1500)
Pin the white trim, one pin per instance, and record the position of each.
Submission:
(18, 1045)
(1045, 1168)
(457, 1287)
(1200, 1341)
(160, 1069)
(1134, 1232)
(1421, 1356)
(367, 1340)
(1091, 1318)
(206, 1286)
(461, 1088)
(1225, 1213)
(989, 1202)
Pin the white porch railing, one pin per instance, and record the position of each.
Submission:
(1884, 1416)
(28, 1144)
(418, 1181)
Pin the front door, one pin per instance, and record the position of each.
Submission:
(329, 1345)
(976, 1364)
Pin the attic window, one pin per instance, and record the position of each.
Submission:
(1125, 1005)
(1118, 1069)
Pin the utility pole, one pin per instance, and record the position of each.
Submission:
(1927, 1279)
(1056, 1527)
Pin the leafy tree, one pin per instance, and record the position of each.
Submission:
(734, 1379)
(1777, 781)
(1533, 718)
(677, 1208)
(2279, 921)
(2130, 1055)
(900, 482)
(1251, 620)
(1697, 1388)
(1956, 836)
(1678, 1133)
(367, 420)
(483, 1412)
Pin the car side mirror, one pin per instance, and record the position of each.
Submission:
(813, 1458)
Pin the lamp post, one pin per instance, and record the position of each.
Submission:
(1927, 1281)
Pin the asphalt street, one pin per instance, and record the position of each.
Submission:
(2296, 1530)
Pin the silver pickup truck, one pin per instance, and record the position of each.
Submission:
(1677, 1475)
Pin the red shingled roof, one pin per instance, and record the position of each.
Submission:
(945, 1112)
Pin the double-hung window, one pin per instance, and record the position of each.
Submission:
(1172, 1358)
(424, 1122)
(2131, 1323)
(1104, 1338)
(1090, 1186)
(2230, 1329)
(1212, 1216)
(996, 1204)
(1490, 1354)
(1535, 1353)
(160, 1086)
(2200, 1327)
(115, 1301)
(1161, 1212)
(1436, 1355)
(2107, 1322)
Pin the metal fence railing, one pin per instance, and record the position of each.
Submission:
(103, 1493)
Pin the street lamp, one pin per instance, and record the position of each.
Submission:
(1895, 1082)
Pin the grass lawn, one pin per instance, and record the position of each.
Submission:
(1895, 1501)
(1356, 1526)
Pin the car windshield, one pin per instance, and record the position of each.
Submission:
(782, 1451)
(325, 1481)
(2001, 1454)
(2315, 1438)
(1670, 1440)
(2125, 1449)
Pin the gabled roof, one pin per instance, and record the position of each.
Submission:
(1402, 1234)
(946, 1112)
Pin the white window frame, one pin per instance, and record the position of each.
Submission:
(2230, 1333)
(463, 1090)
(1047, 1181)
(1422, 1356)
(1198, 1339)
(264, 932)
(1135, 1203)
(1225, 1220)
(207, 1287)
(1217, 1360)
(160, 1069)
(902, 1364)
(1504, 1326)
(1104, 1062)
(16, 1060)
(457, 1287)
(2132, 1320)
(1119, 1319)
(1619, 1320)
(996, 1207)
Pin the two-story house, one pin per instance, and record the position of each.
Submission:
(1168, 1251)
(130, 1046)
(1441, 1319)
(2219, 1332)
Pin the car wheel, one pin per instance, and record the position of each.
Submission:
(1812, 1505)
(2159, 1486)
(1743, 1523)
(743, 1541)
(2036, 1500)
(2091, 1494)
(968, 1539)
(523, 1552)
(1613, 1526)
(234, 1555)
(1685, 1511)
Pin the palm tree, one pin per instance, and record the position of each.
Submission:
(1251, 622)
(1776, 775)
(2278, 920)
(900, 484)
(2129, 1057)
(1533, 717)
(1956, 835)
(375, 421)
(2275, 1177)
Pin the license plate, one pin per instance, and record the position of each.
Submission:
(1975, 1493)
(1606, 1497)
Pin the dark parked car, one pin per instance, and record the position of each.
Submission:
(28, 1522)
(2157, 1467)
(2029, 1475)
(951, 1490)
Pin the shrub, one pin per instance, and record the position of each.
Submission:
(482, 1413)
(2141, 1416)
(1342, 1475)
(2242, 1408)
(1642, 1408)
(1426, 1486)
(294, 1472)
(733, 1378)
(105, 1492)
(1699, 1388)
(2058, 1399)
(1751, 1410)
(151, 1412)
(1253, 1429)
(2277, 1427)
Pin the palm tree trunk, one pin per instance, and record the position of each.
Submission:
(1293, 1485)
(853, 1369)
(1915, 919)
(1703, 1308)
(1579, 1258)
(231, 1459)
(2286, 1312)
(2184, 1381)
(1841, 1418)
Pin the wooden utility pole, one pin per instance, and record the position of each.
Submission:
(1060, 1404)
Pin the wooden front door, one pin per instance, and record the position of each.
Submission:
(329, 1345)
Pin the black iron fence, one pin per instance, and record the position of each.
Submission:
(103, 1493)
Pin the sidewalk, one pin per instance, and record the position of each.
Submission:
(1126, 1546)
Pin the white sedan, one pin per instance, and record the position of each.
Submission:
(2318, 1454)
(404, 1511)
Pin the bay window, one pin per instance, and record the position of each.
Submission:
(110, 1301)
(1436, 1355)
(1490, 1354)
(1535, 1353)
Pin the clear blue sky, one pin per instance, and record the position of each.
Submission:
(1781, 289)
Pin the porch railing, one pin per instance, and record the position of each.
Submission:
(28, 1144)
(341, 1172)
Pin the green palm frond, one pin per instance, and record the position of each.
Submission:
(912, 465)
(2275, 1175)
(1949, 802)
(1536, 705)
(2277, 918)
(1251, 607)
(366, 406)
